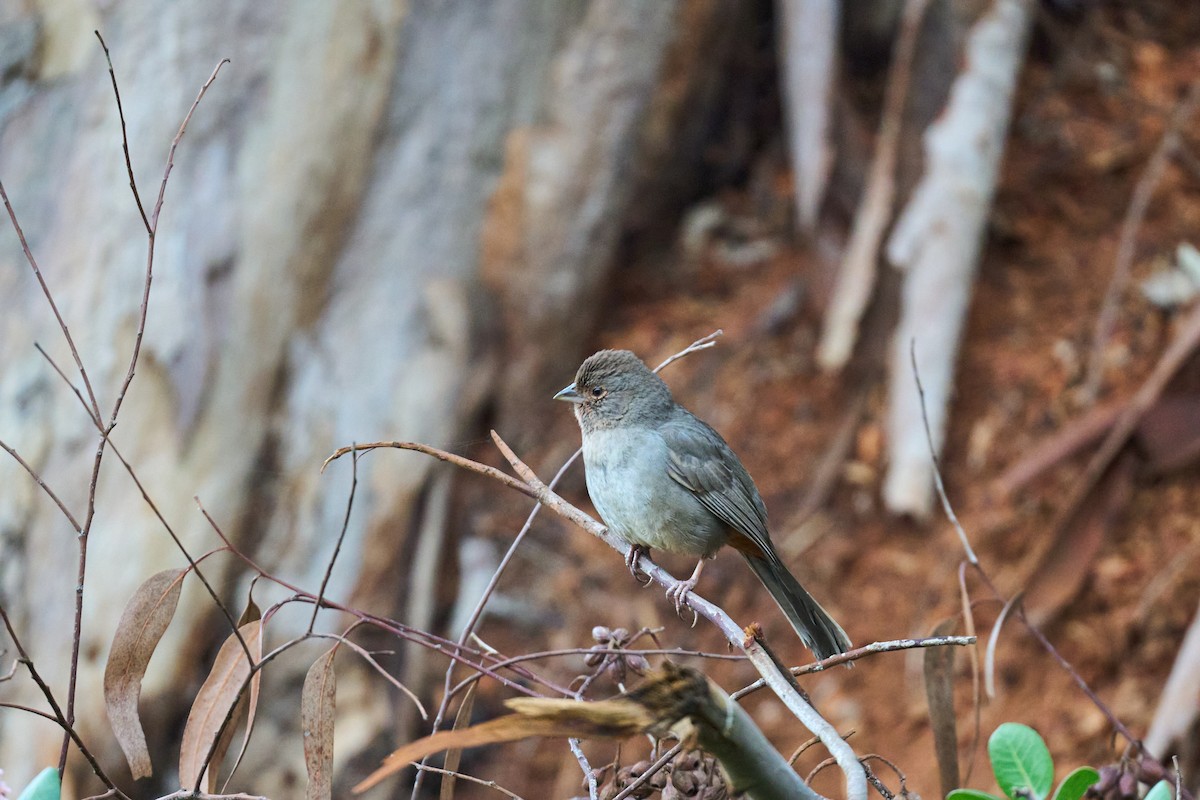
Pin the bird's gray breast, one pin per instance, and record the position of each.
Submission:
(627, 479)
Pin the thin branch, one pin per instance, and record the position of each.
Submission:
(650, 772)
(193, 563)
(375, 665)
(152, 235)
(937, 467)
(67, 381)
(976, 684)
(459, 687)
(30, 710)
(440, 455)
(124, 135)
(703, 343)
(152, 230)
(589, 774)
(37, 478)
(58, 716)
(471, 778)
(406, 632)
(989, 661)
(862, 652)
(62, 325)
(1143, 193)
(341, 537)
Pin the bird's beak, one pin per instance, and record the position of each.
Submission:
(569, 394)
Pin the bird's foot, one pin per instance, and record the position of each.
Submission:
(636, 551)
(678, 594)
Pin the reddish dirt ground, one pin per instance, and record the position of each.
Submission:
(1094, 100)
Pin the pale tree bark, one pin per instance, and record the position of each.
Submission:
(318, 282)
(808, 36)
(937, 242)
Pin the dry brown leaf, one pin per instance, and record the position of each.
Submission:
(535, 717)
(939, 690)
(461, 720)
(316, 719)
(220, 692)
(142, 625)
(250, 614)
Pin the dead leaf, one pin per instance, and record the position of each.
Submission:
(139, 631)
(252, 613)
(939, 691)
(222, 689)
(316, 719)
(461, 720)
(540, 717)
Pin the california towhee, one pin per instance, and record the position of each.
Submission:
(661, 478)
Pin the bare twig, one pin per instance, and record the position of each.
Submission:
(653, 770)
(862, 652)
(124, 135)
(193, 563)
(589, 774)
(30, 710)
(406, 632)
(152, 235)
(341, 537)
(477, 612)
(703, 343)
(37, 478)
(62, 325)
(440, 455)
(151, 231)
(1143, 193)
(68, 729)
(375, 665)
(471, 778)
(937, 468)
(973, 652)
(989, 661)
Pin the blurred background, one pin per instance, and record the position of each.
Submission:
(412, 220)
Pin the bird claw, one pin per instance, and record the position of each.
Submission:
(636, 551)
(678, 593)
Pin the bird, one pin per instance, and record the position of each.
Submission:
(663, 479)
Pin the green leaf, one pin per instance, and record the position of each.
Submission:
(1021, 761)
(43, 787)
(970, 794)
(1075, 784)
(1160, 791)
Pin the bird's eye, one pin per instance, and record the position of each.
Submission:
(597, 391)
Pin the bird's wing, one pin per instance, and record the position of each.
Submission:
(701, 462)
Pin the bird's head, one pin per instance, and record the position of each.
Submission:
(614, 387)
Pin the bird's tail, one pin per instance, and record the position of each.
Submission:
(816, 628)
